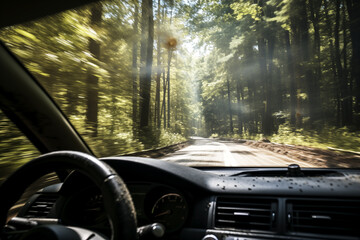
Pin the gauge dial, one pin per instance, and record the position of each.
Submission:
(92, 210)
(85, 208)
(170, 210)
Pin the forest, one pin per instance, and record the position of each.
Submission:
(133, 75)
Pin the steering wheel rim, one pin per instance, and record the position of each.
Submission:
(117, 200)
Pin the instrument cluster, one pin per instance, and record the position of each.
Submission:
(154, 203)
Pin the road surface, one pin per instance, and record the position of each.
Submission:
(211, 152)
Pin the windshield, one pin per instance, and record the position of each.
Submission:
(137, 75)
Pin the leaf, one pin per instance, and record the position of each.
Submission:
(26, 34)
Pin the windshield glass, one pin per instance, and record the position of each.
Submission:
(136, 75)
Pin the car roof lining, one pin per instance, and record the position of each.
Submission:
(14, 12)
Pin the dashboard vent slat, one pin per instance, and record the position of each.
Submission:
(324, 217)
(245, 213)
(41, 207)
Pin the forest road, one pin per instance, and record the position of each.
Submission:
(214, 152)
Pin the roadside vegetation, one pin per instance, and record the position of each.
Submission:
(340, 138)
(328, 137)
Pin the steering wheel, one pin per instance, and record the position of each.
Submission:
(117, 200)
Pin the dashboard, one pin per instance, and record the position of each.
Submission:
(214, 203)
(153, 203)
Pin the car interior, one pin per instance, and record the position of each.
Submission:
(127, 197)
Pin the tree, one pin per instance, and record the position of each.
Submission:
(146, 56)
(158, 69)
(135, 112)
(230, 110)
(93, 80)
(353, 9)
(171, 45)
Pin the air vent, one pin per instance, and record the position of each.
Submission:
(245, 213)
(324, 217)
(42, 206)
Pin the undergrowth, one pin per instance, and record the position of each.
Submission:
(328, 136)
(168, 138)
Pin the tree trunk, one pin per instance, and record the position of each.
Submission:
(158, 75)
(347, 82)
(269, 101)
(135, 71)
(342, 80)
(315, 7)
(168, 87)
(263, 78)
(229, 102)
(146, 55)
(270, 71)
(353, 8)
(339, 69)
(92, 86)
(305, 58)
(238, 91)
(346, 90)
(251, 119)
(163, 109)
(333, 65)
(291, 73)
(168, 77)
(298, 25)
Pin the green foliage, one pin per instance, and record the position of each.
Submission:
(214, 135)
(15, 148)
(242, 9)
(119, 144)
(168, 138)
(328, 136)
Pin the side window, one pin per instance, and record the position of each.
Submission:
(15, 148)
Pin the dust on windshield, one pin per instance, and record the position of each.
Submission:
(136, 75)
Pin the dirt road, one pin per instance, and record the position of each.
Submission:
(205, 152)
